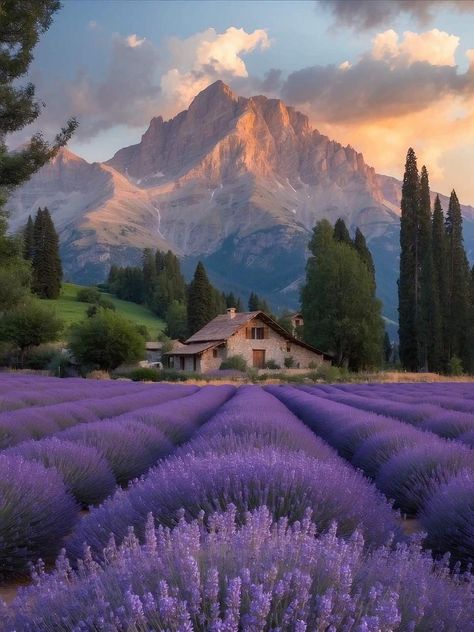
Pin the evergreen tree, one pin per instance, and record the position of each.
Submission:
(469, 359)
(253, 302)
(176, 320)
(387, 348)
(458, 281)
(29, 239)
(360, 245)
(439, 357)
(341, 314)
(150, 276)
(21, 24)
(341, 232)
(429, 317)
(113, 275)
(257, 304)
(15, 273)
(47, 268)
(408, 284)
(201, 300)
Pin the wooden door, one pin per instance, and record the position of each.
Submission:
(259, 358)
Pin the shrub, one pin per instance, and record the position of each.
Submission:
(413, 475)
(145, 374)
(105, 341)
(236, 362)
(448, 518)
(36, 513)
(328, 372)
(271, 364)
(455, 366)
(88, 295)
(41, 357)
(258, 576)
(287, 482)
(289, 362)
(83, 469)
(130, 447)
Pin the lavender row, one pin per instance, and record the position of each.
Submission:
(445, 423)
(42, 421)
(252, 452)
(409, 465)
(81, 465)
(251, 575)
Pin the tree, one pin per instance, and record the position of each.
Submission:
(469, 360)
(257, 304)
(439, 349)
(341, 232)
(105, 341)
(29, 325)
(408, 284)
(341, 314)
(387, 348)
(29, 239)
(150, 276)
(47, 268)
(21, 24)
(458, 281)
(200, 300)
(361, 247)
(15, 273)
(176, 320)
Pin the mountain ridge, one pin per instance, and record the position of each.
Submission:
(238, 182)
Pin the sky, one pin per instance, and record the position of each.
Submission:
(379, 75)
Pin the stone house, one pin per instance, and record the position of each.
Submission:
(297, 323)
(253, 335)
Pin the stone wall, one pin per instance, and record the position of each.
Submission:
(275, 346)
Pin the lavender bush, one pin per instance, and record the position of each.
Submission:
(129, 446)
(258, 577)
(36, 513)
(83, 469)
(286, 482)
(414, 474)
(448, 517)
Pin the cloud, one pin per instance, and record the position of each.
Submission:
(397, 77)
(133, 41)
(369, 14)
(204, 57)
(405, 91)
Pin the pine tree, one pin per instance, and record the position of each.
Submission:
(408, 284)
(21, 24)
(200, 300)
(387, 348)
(469, 362)
(150, 276)
(341, 232)
(47, 268)
(29, 239)
(439, 359)
(458, 281)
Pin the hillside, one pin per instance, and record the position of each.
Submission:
(236, 182)
(72, 311)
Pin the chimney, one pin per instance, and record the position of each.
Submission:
(231, 312)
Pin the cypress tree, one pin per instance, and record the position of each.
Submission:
(29, 239)
(408, 284)
(47, 268)
(200, 300)
(341, 232)
(458, 281)
(360, 245)
(387, 348)
(429, 319)
(470, 326)
(440, 286)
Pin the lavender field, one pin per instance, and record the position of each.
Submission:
(136, 507)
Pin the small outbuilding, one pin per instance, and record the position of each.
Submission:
(253, 335)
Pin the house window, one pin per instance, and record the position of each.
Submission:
(297, 322)
(288, 347)
(258, 333)
(215, 353)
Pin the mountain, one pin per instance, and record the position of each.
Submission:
(237, 182)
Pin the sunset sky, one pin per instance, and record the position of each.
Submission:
(377, 75)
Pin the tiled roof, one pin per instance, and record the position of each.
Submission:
(222, 327)
(194, 348)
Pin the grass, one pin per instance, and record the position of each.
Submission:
(72, 311)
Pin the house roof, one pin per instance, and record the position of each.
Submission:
(222, 327)
(194, 348)
(153, 346)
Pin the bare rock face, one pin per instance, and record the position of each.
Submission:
(239, 182)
